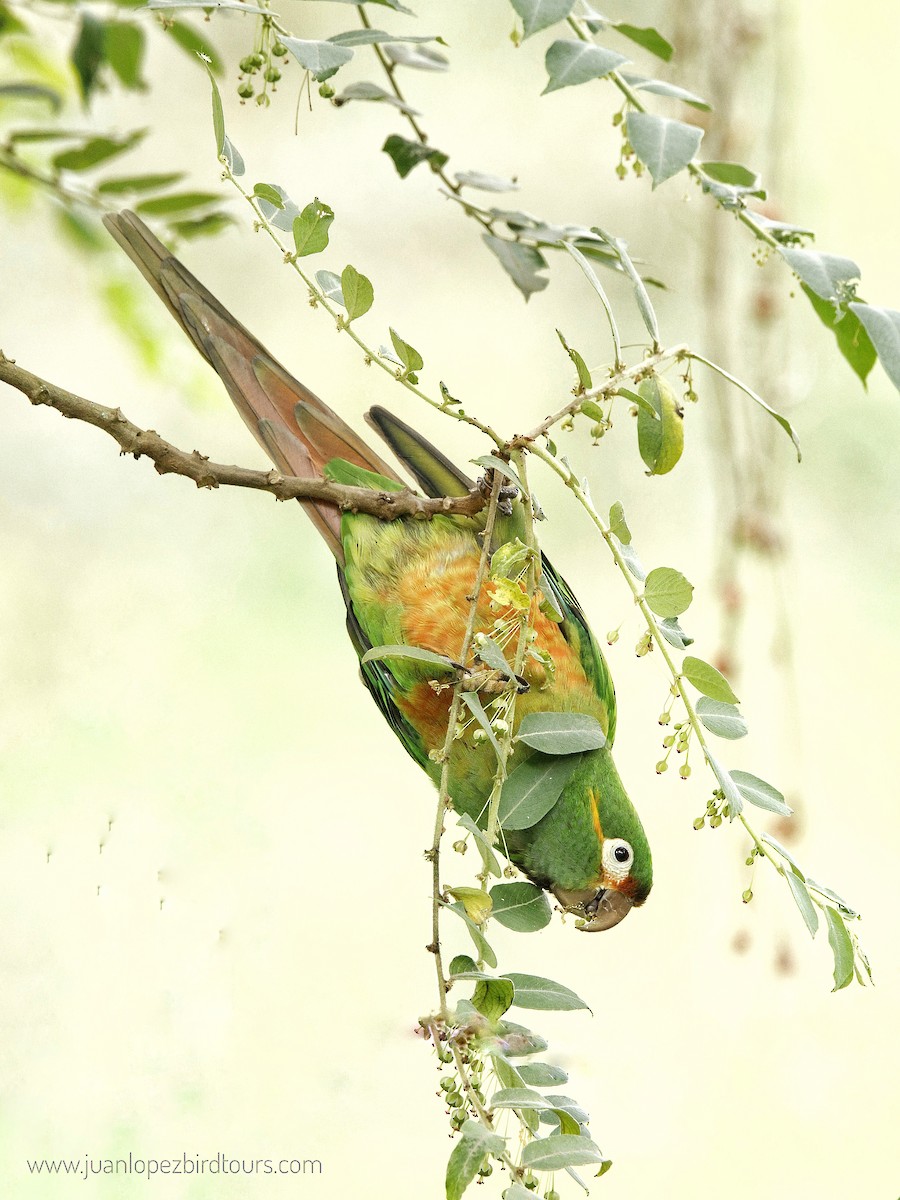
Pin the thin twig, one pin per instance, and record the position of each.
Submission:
(169, 460)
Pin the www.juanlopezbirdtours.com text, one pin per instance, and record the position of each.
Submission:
(89, 1167)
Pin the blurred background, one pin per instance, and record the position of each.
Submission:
(214, 900)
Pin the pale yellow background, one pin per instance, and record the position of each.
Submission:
(213, 893)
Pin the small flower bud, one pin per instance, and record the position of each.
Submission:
(460, 846)
(612, 637)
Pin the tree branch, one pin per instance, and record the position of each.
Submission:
(169, 460)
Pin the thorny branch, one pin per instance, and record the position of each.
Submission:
(169, 460)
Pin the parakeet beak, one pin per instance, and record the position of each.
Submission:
(602, 909)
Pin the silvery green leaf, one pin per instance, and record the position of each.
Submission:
(663, 145)
(570, 63)
(724, 720)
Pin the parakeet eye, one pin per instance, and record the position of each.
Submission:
(617, 857)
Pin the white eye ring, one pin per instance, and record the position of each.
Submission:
(618, 857)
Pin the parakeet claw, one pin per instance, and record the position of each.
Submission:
(508, 493)
(602, 908)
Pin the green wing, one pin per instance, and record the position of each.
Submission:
(437, 476)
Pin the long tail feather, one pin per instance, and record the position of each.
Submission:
(295, 428)
(432, 470)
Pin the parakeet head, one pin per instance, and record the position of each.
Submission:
(622, 873)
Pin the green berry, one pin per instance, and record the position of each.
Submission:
(273, 75)
(661, 766)
(279, 49)
(685, 771)
(247, 64)
(326, 91)
(245, 91)
(747, 896)
(447, 1085)
(700, 822)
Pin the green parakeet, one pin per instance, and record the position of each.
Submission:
(410, 582)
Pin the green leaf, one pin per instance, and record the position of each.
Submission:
(131, 184)
(763, 795)
(265, 191)
(660, 426)
(799, 891)
(519, 1098)
(641, 296)
(543, 1074)
(785, 854)
(87, 53)
(492, 997)
(491, 462)
(883, 327)
(520, 262)
(708, 680)
(485, 953)
(852, 339)
(733, 796)
(731, 173)
(179, 202)
(467, 1156)
(194, 43)
(476, 902)
(757, 399)
(618, 526)
(123, 49)
(516, 1041)
(488, 857)
(209, 5)
(842, 905)
(359, 295)
(374, 37)
(723, 720)
(533, 788)
(420, 58)
(411, 358)
(664, 146)
(476, 708)
(535, 992)
(94, 151)
(463, 965)
(561, 732)
(205, 226)
(570, 63)
(484, 182)
(841, 947)
(310, 229)
(565, 1104)
(560, 1150)
(330, 287)
(674, 634)
(649, 38)
(406, 154)
(661, 87)
(541, 14)
(218, 116)
(492, 656)
(828, 275)
(414, 652)
(372, 92)
(667, 592)
(584, 375)
(321, 59)
(520, 906)
(281, 216)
